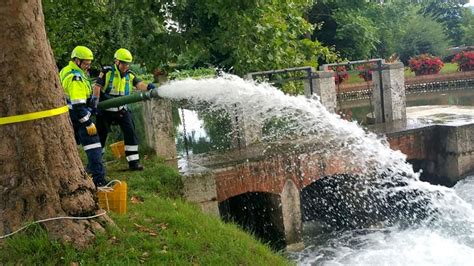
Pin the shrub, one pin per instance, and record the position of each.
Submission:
(465, 60)
(425, 64)
(340, 74)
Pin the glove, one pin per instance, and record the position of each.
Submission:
(150, 86)
(94, 111)
(94, 101)
(91, 129)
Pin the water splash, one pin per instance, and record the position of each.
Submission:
(445, 219)
(447, 238)
(262, 103)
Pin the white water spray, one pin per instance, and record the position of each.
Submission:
(451, 224)
(262, 102)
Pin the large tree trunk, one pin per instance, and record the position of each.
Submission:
(41, 174)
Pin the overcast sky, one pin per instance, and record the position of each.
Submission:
(471, 3)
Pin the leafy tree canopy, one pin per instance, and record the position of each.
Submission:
(361, 29)
(449, 13)
(423, 35)
(468, 27)
(238, 36)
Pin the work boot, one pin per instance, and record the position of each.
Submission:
(136, 166)
(100, 182)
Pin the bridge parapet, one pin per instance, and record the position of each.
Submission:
(444, 153)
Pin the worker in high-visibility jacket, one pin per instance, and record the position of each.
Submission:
(115, 81)
(80, 99)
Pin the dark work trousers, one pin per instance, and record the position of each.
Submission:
(93, 149)
(123, 118)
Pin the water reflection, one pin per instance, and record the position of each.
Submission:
(205, 131)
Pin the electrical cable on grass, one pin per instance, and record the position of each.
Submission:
(105, 188)
(52, 219)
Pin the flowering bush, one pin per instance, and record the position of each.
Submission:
(365, 71)
(465, 60)
(340, 74)
(425, 64)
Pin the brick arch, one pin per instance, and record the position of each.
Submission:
(270, 174)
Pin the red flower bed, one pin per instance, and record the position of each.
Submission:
(340, 74)
(425, 64)
(465, 61)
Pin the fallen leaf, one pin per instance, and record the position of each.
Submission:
(113, 240)
(137, 225)
(136, 199)
(144, 229)
(163, 226)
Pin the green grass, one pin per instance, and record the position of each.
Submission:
(354, 77)
(448, 68)
(160, 228)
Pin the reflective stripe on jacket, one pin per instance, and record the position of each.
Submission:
(75, 83)
(116, 85)
(78, 89)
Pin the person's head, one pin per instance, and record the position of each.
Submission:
(82, 57)
(123, 58)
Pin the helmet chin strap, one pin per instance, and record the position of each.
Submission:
(78, 62)
(118, 66)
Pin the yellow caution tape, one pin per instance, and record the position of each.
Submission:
(33, 116)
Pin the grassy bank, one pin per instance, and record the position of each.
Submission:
(160, 228)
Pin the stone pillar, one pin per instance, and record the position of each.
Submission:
(291, 212)
(160, 133)
(324, 86)
(393, 106)
(244, 130)
(199, 186)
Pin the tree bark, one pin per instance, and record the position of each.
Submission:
(41, 174)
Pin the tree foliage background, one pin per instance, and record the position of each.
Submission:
(238, 36)
(244, 36)
(360, 29)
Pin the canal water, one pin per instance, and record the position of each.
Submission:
(440, 230)
(449, 240)
(359, 109)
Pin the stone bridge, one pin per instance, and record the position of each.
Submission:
(278, 173)
(275, 176)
